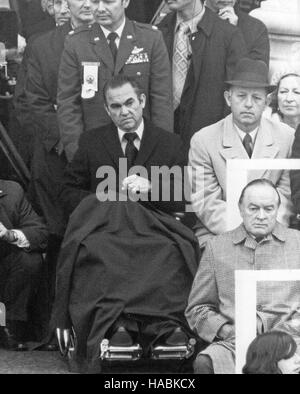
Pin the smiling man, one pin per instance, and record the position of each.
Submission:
(260, 243)
(244, 134)
(113, 45)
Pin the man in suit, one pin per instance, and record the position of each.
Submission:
(203, 50)
(113, 45)
(260, 243)
(111, 182)
(105, 146)
(228, 139)
(254, 31)
(23, 238)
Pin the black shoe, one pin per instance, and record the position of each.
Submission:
(9, 341)
(121, 338)
(177, 338)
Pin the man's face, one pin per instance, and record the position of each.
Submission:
(217, 5)
(61, 12)
(125, 107)
(247, 106)
(110, 13)
(81, 11)
(259, 210)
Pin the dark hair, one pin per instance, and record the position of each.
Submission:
(266, 351)
(261, 182)
(274, 96)
(119, 81)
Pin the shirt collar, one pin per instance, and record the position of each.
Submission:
(191, 23)
(241, 234)
(119, 31)
(242, 133)
(139, 131)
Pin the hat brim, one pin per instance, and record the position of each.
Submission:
(249, 84)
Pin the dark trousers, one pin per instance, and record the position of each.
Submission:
(20, 274)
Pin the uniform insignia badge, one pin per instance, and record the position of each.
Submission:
(130, 37)
(137, 50)
(90, 79)
(96, 39)
(136, 58)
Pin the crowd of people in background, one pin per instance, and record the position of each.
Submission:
(159, 84)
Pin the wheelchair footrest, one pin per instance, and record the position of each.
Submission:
(120, 353)
(174, 352)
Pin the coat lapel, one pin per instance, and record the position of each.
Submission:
(232, 144)
(112, 144)
(167, 28)
(127, 44)
(101, 48)
(198, 43)
(148, 144)
(265, 147)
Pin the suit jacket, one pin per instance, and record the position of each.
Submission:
(17, 213)
(212, 299)
(41, 84)
(142, 10)
(212, 147)
(217, 46)
(100, 149)
(256, 37)
(142, 54)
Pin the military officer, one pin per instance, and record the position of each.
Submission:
(94, 54)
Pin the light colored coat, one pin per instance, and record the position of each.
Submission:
(210, 149)
(212, 299)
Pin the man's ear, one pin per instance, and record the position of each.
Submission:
(126, 3)
(143, 100)
(227, 96)
(106, 109)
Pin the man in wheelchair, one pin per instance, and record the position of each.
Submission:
(126, 264)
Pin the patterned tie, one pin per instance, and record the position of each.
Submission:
(180, 62)
(131, 151)
(247, 142)
(112, 44)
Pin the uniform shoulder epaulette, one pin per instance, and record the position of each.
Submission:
(79, 29)
(146, 26)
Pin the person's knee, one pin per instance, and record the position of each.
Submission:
(203, 365)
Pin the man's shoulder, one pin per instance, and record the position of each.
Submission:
(81, 33)
(164, 137)
(279, 130)
(249, 22)
(146, 28)
(210, 133)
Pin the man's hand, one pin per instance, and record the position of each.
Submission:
(228, 13)
(226, 332)
(136, 184)
(6, 235)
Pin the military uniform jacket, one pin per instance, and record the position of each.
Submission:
(87, 64)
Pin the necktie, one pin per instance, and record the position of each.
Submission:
(180, 62)
(131, 151)
(112, 44)
(247, 142)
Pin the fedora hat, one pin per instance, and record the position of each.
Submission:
(251, 73)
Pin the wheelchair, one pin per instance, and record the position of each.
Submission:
(172, 359)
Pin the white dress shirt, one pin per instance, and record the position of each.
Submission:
(137, 142)
(119, 32)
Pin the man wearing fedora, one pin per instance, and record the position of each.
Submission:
(243, 134)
